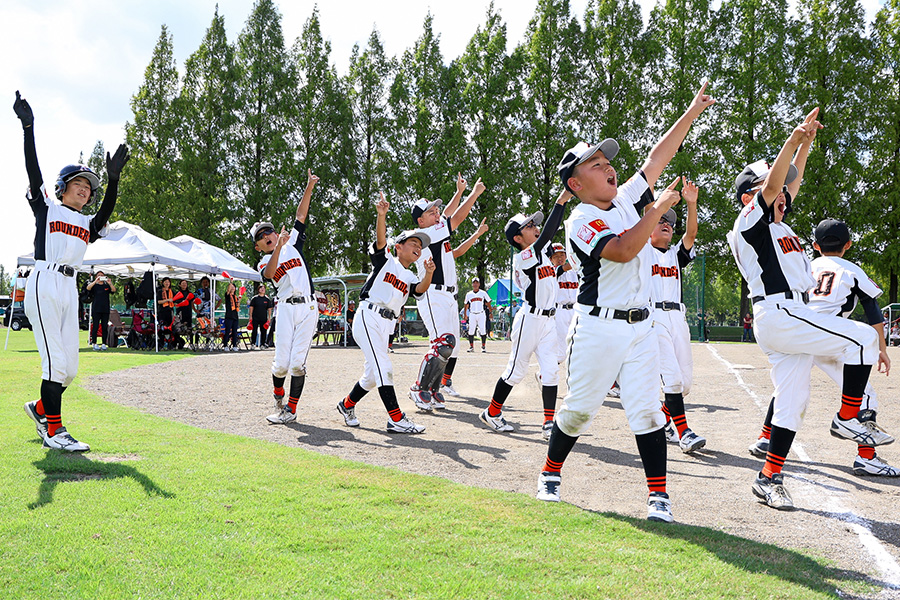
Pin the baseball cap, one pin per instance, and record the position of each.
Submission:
(671, 217)
(754, 174)
(257, 226)
(412, 233)
(581, 152)
(514, 225)
(421, 206)
(556, 248)
(832, 232)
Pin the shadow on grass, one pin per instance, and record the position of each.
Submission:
(759, 558)
(63, 467)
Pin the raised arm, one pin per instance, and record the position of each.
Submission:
(454, 201)
(470, 241)
(460, 214)
(801, 155)
(114, 165)
(626, 246)
(804, 133)
(303, 208)
(668, 145)
(272, 265)
(381, 223)
(690, 193)
(422, 287)
(553, 221)
(26, 116)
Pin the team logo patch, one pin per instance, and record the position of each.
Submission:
(599, 225)
(586, 234)
(526, 254)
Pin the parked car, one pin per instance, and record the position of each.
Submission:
(16, 318)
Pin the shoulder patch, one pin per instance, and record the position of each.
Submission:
(526, 254)
(586, 234)
(598, 225)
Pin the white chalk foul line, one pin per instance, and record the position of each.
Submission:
(890, 569)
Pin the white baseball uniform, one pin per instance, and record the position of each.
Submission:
(839, 285)
(298, 312)
(476, 303)
(381, 300)
(566, 297)
(676, 364)
(51, 298)
(438, 308)
(534, 326)
(612, 336)
(778, 273)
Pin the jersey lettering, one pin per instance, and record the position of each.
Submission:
(398, 283)
(825, 282)
(665, 271)
(447, 247)
(568, 285)
(69, 229)
(548, 271)
(476, 299)
(790, 244)
(284, 267)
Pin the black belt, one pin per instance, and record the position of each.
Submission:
(297, 299)
(446, 288)
(567, 306)
(64, 269)
(669, 305)
(546, 312)
(788, 295)
(632, 315)
(384, 312)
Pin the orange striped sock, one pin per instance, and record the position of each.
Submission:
(495, 408)
(279, 391)
(665, 410)
(774, 464)
(292, 404)
(680, 424)
(39, 407)
(849, 407)
(445, 379)
(395, 414)
(348, 403)
(552, 466)
(867, 452)
(657, 484)
(766, 432)
(54, 422)
(549, 413)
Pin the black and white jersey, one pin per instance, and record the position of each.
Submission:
(441, 251)
(665, 274)
(62, 233)
(533, 271)
(568, 286)
(839, 286)
(768, 254)
(604, 282)
(292, 277)
(390, 283)
(477, 301)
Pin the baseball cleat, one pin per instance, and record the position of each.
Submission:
(614, 392)
(437, 401)
(349, 414)
(448, 389)
(672, 433)
(282, 417)
(548, 486)
(40, 422)
(546, 428)
(483, 350)
(867, 433)
(497, 423)
(471, 349)
(691, 442)
(874, 466)
(760, 447)
(63, 441)
(659, 507)
(279, 401)
(422, 399)
(404, 425)
(772, 491)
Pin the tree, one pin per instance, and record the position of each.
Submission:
(149, 185)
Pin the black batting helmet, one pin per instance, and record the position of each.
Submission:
(70, 172)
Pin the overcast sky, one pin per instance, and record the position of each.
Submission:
(78, 62)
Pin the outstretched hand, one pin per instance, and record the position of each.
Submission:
(429, 265)
(483, 228)
(311, 180)
(670, 196)
(283, 237)
(382, 206)
(115, 164)
(460, 183)
(689, 191)
(479, 187)
(23, 111)
(702, 100)
(806, 131)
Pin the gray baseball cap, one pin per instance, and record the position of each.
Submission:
(580, 153)
(412, 233)
(515, 225)
(671, 217)
(421, 206)
(756, 173)
(257, 227)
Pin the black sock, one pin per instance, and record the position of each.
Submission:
(277, 382)
(652, 448)
(388, 397)
(501, 392)
(483, 340)
(297, 382)
(769, 413)
(451, 364)
(51, 396)
(560, 446)
(357, 393)
(471, 340)
(855, 379)
(675, 405)
(548, 395)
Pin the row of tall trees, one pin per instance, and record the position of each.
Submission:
(228, 140)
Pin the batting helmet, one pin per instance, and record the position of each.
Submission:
(70, 172)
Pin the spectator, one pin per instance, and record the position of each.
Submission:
(184, 301)
(165, 303)
(100, 289)
(747, 335)
(232, 302)
(351, 313)
(895, 335)
(260, 312)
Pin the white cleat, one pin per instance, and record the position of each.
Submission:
(404, 425)
(691, 442)
(760, 447)
(659, 507)
(40, 422)
(772, 491)
(874, 466)
(672, 433)
(282, 418)
(548, 486)
(63, 441)
(546, 428)
(497, 423)
(422, 399)
(448, 389)
(349, 414)
(867, 433)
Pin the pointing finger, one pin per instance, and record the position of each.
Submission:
(812, 115)
(672, 185)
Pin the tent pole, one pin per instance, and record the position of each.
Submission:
(155, 304)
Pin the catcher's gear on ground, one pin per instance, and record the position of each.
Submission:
(435, 361)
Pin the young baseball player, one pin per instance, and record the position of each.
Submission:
(380, 301)
(62, 234)
(841, 285)
(478, 310)
(438, 308)
(285, 266)
(612, 337)
(778, 273)
(676, 364)
(566, 296)
(534, 327)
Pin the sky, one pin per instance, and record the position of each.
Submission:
(78, 63)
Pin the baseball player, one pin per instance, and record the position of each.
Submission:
(478, 309)
(676, 364)
(438, 307)
(62, 234)
(566, 296)
(840, 286)
(778, 273)
(380, 301)
(286, 267)
(612, 336)
(534, 326)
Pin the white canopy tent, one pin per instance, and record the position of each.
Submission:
(225, 262)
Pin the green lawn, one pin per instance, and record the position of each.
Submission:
(164, 510)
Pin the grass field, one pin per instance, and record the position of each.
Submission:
(164, 510)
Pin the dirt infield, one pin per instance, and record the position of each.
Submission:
(848, 519)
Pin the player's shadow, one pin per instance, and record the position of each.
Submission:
(450, 449)
(59, 467)
(320, 437)
(756, 557)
